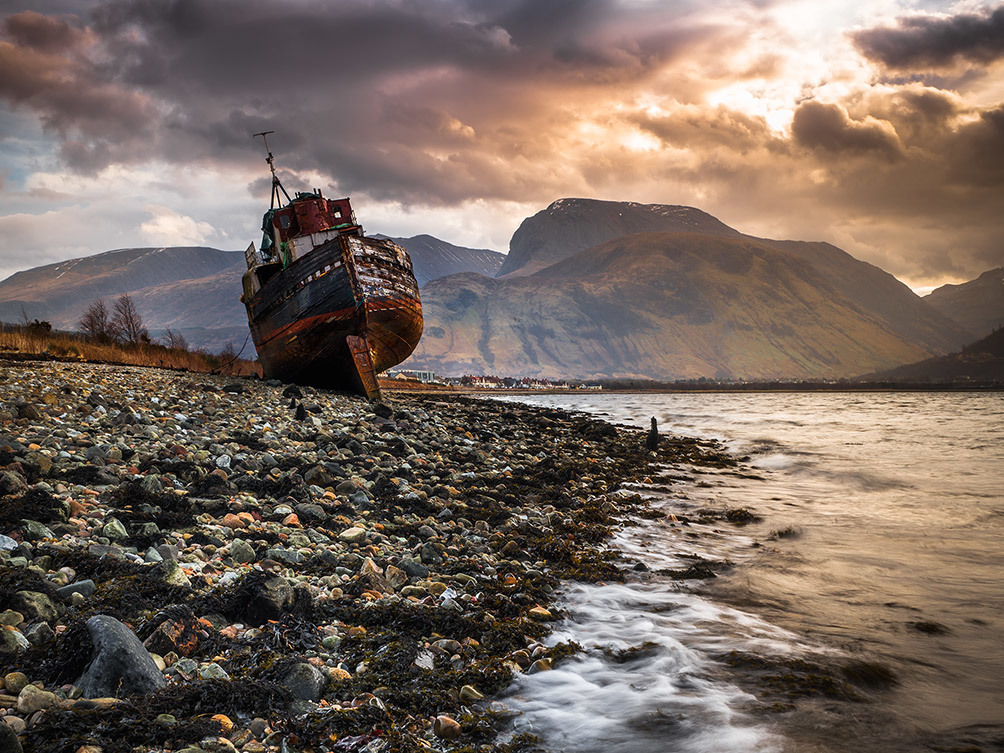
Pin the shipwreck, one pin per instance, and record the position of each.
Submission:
(327, 306)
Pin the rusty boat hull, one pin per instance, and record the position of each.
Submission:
(337, 316)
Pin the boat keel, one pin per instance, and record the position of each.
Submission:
(363, 361)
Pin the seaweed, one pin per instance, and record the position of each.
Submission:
(792, 678)
(34, 504)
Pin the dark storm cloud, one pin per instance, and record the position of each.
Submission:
(827, 127)
(406, 100)
(708, 128)
(920, 41)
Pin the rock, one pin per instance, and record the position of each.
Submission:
(268, 600)
(12, 642)
(32, 699)
(414, 568)
(85, 588)
(425, 660)
(29, 411)
(446, 727)
(15, 682)
(120, 665)
(305, 682)
(540, 614)
(292, 391)
(541, 665)
(35, 531)
(353, 535)
(213, 671)
(396, 577)
(469, 694)
(35, 606)
(7, 543)
(11, 617)
(289, 556)
(233, 522)
(8, 739)
(242, 552)
(151, 484)
(309, 512)
(38, 633)
(12, 484)
(114, 529)
(172, 574)
(168, 551)
(180, 636)
(652, 440)
(431, 555)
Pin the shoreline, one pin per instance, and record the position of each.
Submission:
(396, 569)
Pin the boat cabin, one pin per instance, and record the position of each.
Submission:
(288, 233)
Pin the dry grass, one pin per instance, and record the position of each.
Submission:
(66, 346)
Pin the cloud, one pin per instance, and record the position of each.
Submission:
(935, 41)
(764, 114)
(827, 127)
(169, 228)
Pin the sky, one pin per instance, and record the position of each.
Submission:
(875, 125)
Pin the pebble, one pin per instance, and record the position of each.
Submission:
(446, 727)
(418, 503)
(15, 682)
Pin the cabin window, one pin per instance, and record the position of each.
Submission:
(284, 221)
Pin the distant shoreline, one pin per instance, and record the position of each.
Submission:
(870, 387)
(15, 356)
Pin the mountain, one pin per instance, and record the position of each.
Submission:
(981, 361)
(568, 226)
(978, 305)
(657, 305)
(590, 289)
(432, 258)
(193, 290)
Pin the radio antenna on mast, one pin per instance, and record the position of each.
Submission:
(276, 184)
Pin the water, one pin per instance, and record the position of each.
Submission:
(879, 560)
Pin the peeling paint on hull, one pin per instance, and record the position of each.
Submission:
(349, 287)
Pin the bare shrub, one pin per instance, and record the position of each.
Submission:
(96, 322)
(127, 323)
(174, 340)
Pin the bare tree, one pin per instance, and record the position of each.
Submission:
(175, 340)
(127, 323)
(96, 322)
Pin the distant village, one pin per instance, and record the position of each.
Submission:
(488, 381)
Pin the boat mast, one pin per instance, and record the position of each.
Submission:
(276, 184)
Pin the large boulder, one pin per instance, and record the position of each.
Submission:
(120, 666)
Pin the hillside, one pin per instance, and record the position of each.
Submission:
(656, 305)
(432, 258)
(977, 305)
(192, 290)
(981, 361)
(59, 292)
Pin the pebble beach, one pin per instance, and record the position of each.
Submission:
(195, 563)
